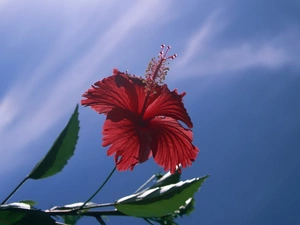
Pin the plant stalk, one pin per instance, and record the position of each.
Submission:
(11, 194)
(88, 213)
(145, 184)
(102, 185)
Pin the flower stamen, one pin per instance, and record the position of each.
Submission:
(156, 73)
(157, 69)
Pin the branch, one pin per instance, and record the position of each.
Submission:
(11, 194)
(82, 213)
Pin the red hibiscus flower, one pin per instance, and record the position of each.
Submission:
(142, 118)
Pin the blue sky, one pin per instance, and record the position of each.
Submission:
(238, 61)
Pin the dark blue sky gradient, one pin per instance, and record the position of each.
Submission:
(240, 69)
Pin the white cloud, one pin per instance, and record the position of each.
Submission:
(202, 57)
(60, 93)
(198, 44)
(90, 35)
(3, 2)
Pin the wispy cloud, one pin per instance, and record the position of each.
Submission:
(202, 57)
(3, 2)
(22, 115)
(90, 34)
(202, 39)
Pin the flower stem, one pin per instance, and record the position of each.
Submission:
(11, 194)
(102, 185)
(100, 220)
(146, 183)
(85, 213)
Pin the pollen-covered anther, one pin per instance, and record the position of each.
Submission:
(157, 69)
(173, 56)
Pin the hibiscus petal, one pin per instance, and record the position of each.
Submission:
(118, 90)
(168, 103)
(171, 144)
(129, 146)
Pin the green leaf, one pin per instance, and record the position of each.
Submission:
(23, 214)
(165, 220)
(29, 202)
(36, 217)
(15, 205)
(159, 201)
(74, 206)
(167, 179)
(10, 214)
(61, 151)
(71, 219)
(186, 209)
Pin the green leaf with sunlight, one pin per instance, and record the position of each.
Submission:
(29, 202)
(74, 206)
(183, 210)
(160, 201)
(13, 212)
(187, 209)
(167, 179)
(61, 151)
(72, 219)
(23, 214)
